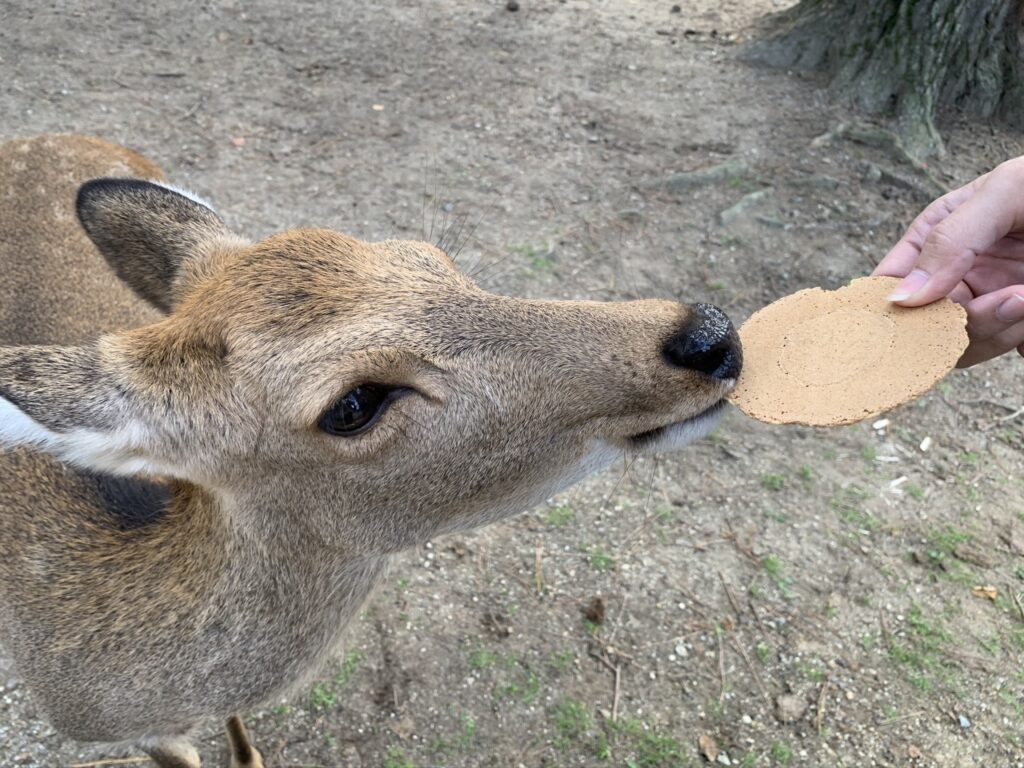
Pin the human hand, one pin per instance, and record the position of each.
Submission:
(969, 245)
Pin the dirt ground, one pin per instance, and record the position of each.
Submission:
(771, 596)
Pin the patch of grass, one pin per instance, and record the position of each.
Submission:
(562, 660)
(481, 659)
(941, 543)
(322, 697)
(763, 652)
(848, 506)
(657, 751)
(921, 652)
(804, 473)
(571, 720)
(914, 491)
(602, 747)
(665, 513)
(396, 758)
(559, 516)
(467, 731)
(773, 482)
(992, 645)
(600, 560)
(1012, 701)
(1017, 638)
(781, 753)
(540, 258)
(773, 567)
(525, 689)
(869, 454)
(348, 668)
(649, 748)
(778, 517)
(811, 672)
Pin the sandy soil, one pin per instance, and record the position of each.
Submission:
(771, 596)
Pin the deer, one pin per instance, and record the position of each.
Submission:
(211, 447)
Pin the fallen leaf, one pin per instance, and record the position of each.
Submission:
(913, 752)
(987, 591)
(238, 141)
(594, 612)
(708, 747)
(404, 728)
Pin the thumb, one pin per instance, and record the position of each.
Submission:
(944, 260)
(951, 247)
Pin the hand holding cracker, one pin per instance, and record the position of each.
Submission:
(969, 245)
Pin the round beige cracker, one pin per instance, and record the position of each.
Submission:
(825, 358)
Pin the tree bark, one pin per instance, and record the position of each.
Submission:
(906, 59)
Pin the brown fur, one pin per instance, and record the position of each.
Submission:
(135, 617)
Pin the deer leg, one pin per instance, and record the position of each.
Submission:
(170, 751)
(243, 753)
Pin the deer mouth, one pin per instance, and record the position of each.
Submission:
(678, 433)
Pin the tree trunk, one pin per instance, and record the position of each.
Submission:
(905, 59)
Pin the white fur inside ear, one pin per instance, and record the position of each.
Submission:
(18, 428)
(184, 193)
(116, 452)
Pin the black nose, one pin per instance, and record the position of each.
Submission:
(707, 343)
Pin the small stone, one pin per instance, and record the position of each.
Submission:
(746, 720)
(965, 723)
(512, 5)
(724, 759)
(741, 210)
(677, 9)
(681, 651)
(913, 752)
(789, 708)
(682, 183)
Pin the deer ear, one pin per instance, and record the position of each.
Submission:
(147, 231)
(66, 401)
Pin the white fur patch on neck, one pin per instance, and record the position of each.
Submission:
(184, 193)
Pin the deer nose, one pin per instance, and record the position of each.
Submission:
(706, 343)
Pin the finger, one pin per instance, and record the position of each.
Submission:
(1010, 248)
(986, 349)
(989, 275)
(952, 245)
(962, 294)
(900, 259)
(995, 324)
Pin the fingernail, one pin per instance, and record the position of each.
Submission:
(1011, 310)
(909, 285)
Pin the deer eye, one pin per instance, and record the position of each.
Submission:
(356, 410)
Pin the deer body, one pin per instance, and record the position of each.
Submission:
(213, 446)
